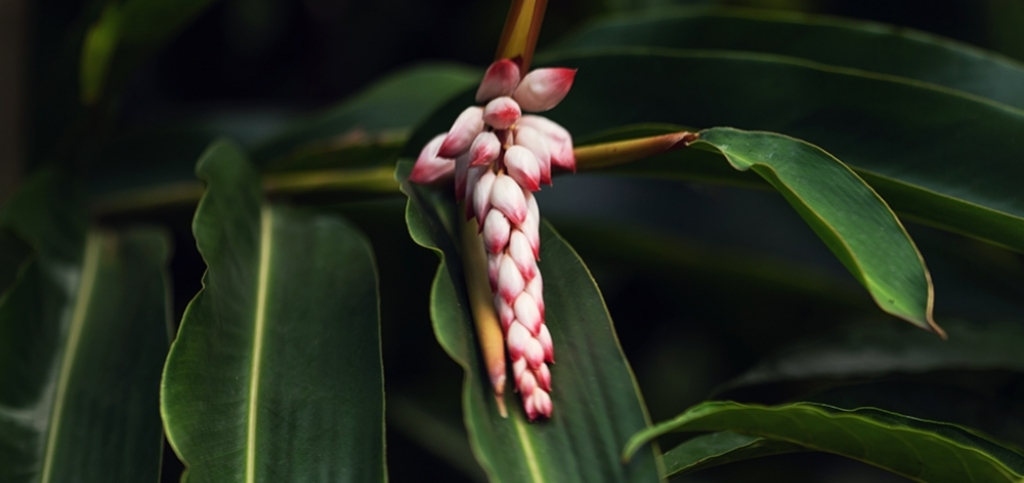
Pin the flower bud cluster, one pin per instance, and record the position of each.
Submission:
(499, 157)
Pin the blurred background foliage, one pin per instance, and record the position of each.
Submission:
(702, 281)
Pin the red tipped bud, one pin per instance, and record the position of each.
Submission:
(496, 232)
(517, 340)
(505, 312)
(493, 265)
(510, 281)
(467, 126)
(544, 337)
(526, 383)
(501, 79)
(522, 254)
(501, 113)
(429, 167)
(543, 89)
(531, 228)
(523, 167)
(541, 405)
(532, 140)
(543, 376)
(536, 290)
(482, 196)
(507, 196)
(559, 140)
(534, 353)
(485, 149)
(528, 314)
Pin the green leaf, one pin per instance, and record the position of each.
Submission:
(845, 212)
(125, 34)
(724, 447)
(276, 371)
(597, 403)
(83, 333)
(923, 451)
(878, 349)
(381, 115)
(915, 143)
(897, 51)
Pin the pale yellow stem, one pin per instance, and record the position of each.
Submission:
(621, 152)
(481, 301)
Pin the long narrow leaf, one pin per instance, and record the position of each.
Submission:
(868, 46)
(83, 334)
(596, 400)
(275, 374)
(923, 451)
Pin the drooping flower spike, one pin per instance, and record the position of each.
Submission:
(499, 157)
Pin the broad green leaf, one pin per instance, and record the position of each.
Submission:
(275, 374)
(381, 115)
(936, 155)
(126, 33)
(83, 333)
(846, 213)
(721, 448)
(597, 404)
(868, 46)
(920, 450)
(865, 351)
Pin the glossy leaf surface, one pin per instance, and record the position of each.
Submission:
(869, 46)
(845, 212)
(923, 451)
(275, 374)
(596, 400)
(918, 163)
(83, 335)
(721, 448)
(866, 351)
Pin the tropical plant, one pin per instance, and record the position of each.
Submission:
(260, 355)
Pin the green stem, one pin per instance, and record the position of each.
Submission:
(379, 180)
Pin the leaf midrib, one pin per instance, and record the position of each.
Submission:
(266, 223)
(87, 282)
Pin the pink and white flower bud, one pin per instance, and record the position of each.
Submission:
(544, 337)
(429, 166)
(543, 376)
(485, 149)
(521, 252)
(496, 232)
(501, 79)
(516, 340)
(532, 140)
(531, 228)
(507, 196)
(482, 196)
(502, 113)
(505, 313)
(528, 314)
(466, 128)
(541, 404)
(559, 140)
(534, 353)
(527, 382)
(536, 289)
(493, 267)
(523, 167)
(542, 89)
(510, 281)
